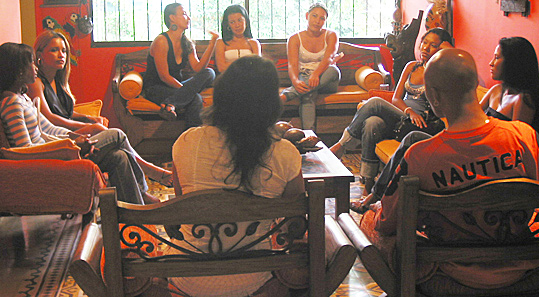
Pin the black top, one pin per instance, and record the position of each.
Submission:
(495, 114)
(151, 77)
(59, 102)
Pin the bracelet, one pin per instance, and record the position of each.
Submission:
(406, 109)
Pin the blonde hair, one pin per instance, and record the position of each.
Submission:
(62, 76)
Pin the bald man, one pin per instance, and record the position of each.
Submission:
(473, 148)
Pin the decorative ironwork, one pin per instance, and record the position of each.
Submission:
(490, 228)
(281, 233)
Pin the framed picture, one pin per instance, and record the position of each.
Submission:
(61, 3)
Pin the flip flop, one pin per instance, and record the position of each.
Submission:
(168, 112)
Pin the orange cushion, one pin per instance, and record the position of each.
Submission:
(385, 149)
(92, 108)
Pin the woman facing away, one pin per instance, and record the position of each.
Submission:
(376, 119)
(25, 126)
(236, 149)
(237, 38)
(515, 98)
(170, 53)
(56, 100)
(311, 64)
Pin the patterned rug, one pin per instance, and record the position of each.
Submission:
(37, 250)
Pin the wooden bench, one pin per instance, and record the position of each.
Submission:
(153, 137)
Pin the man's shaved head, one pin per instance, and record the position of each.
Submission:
(451, 71)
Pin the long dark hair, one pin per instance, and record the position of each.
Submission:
(520, 71)
(187, 44)
(245, 107)
(14, 59)
(226, 31)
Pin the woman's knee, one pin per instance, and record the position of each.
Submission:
(207, 73)
(374, 125)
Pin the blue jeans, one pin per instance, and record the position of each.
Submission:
(118, 158)
(329, 81)
(388, 172)
(373, 122)
(186, 97)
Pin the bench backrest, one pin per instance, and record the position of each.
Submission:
(355, 57)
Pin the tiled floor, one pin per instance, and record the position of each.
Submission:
(31, 241)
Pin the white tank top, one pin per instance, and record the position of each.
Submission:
(234, 54)
(309, 61)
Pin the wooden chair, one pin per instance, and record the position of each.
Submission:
(508, 199)
(326, 241)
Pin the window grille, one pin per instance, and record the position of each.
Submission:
(142, 20)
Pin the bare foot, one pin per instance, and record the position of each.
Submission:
(283, 97)
(150, 199)
(338, 150)
(161, 176)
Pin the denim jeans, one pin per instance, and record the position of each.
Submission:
(186, 97)
(116, 156)
(329, 81)
(388, 172)
(373, 122)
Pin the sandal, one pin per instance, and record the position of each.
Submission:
(168, 112)
(165, 179)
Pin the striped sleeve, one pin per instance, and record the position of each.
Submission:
(13, 119)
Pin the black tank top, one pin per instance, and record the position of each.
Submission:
(59, 102)
(151, 77)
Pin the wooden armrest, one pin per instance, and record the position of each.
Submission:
(369, 255)
(340, 255)
(117, 73)
(85, 267)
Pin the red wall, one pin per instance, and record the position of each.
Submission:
(11, 21)
(479, 24)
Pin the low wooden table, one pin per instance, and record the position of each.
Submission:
(323, 164)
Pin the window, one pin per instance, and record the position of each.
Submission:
(142, 20)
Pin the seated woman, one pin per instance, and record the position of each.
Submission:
(515, 98)
(25, 126)
(311, 64)
(170, 53)
(377, 118)
(237, 38)
(236, 149)
(52, 85)
(56, 100)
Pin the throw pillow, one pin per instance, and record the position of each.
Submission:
(63, 149)
(92, 108)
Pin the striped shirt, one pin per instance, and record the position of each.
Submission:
(20, 120)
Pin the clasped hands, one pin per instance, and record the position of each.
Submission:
(87, 146)
(314, 78)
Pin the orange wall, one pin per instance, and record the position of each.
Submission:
(11, 21)
(479, 24)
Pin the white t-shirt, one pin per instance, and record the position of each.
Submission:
(202, 162)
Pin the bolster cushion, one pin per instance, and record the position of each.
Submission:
(368, 78)
(131, 85)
